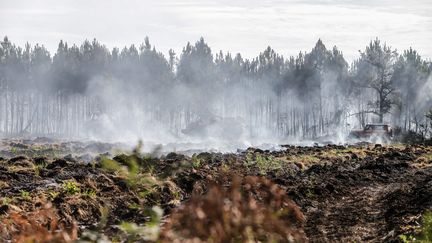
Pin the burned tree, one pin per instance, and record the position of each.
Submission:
(374, 70)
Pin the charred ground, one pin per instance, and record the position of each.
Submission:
(333, 193)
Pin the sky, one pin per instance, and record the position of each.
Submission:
(245, 26)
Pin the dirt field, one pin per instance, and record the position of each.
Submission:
(361, 193)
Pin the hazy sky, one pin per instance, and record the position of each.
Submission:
(245, 26)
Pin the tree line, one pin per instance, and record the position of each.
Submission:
(139, 90)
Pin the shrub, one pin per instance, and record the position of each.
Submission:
(71, 187)
(41, 225)
(236, 215)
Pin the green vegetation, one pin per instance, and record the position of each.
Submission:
(6, 201)
(89, 193)
(53, 194)
(14, 150)
(71, 187)
(196, 161)
(425, 235)
(263, 164)
(267, 163)
(25, 195)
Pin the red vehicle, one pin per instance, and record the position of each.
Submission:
(373, 132)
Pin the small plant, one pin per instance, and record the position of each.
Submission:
(53, 194)
(37, 170)
(196, 162)
(262, 164)
(134, 206)
(14, 150)
(426, 235)
(6, 201)
(310, 193)
(407, 238)
(89, 193)
(71, 187)
(25, 195)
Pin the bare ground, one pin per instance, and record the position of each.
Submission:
(361, 193)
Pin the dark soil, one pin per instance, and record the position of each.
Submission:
(347, 194)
